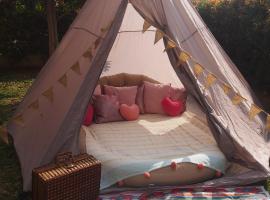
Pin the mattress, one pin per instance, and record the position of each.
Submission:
(129, 148)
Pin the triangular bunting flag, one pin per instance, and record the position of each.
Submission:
(19, 119)
(183, 57)
(210, 79)
(48, 94)
(254, 110)
(159, 35)
(97, 42)
(268, 122)
(34, 105)
(237, 99)
(88, 54)
(63, 80)
(170, 45)
(105, 29)
(146, 25)
(226, 88)
(198, 69)
(76, 68)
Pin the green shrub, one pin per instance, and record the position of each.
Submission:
(243, 29)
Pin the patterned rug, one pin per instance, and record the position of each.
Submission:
(184, 193)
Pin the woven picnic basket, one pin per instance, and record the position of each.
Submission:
(69, 178)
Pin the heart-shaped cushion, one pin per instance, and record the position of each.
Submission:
(171, 107)
(129, 113)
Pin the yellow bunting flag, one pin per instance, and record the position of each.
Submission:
(76, 68)
(184, 56)
(146, 25)
(97, 42)
(170, 45)
(210, 79)
(198, 69)
(254, 110)
(226, 88)
(34, 105)
(63, 80)
(237, 99)
(49, 94)
(19, 119)
(159, 35)
(88, 54)
(105, 29)
(268, 122)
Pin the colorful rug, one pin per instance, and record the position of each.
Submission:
(184, 193)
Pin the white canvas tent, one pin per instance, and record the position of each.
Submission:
(49, 118)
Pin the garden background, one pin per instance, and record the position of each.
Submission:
(241, 26)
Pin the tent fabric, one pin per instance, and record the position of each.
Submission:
(55, 125)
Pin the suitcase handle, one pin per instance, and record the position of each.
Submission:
(65, 160)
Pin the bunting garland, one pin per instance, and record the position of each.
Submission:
(268, 122)
(88, 54)
(106, 28)
(170, 45)
(97, 42)
(210, 79)
(254, 110)
(19, 119)
(184, 56)
(63, 80)
(76, 68)
(146, 26)
(237, 99)
(49, 94)
(34, 105)
(226, 88)
(198, 70)
(159, 35)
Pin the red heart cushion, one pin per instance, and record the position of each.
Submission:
(172, 108)
(129, 113)
(88, 118)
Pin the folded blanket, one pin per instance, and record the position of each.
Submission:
(153, 141)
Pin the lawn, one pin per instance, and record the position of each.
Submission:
(13, 86)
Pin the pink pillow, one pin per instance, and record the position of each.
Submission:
(139, 99)
(178, 94)
(126, 95)
(172, 107)
(153, 95)
(88, 118)
(129, 113)
(106, 109)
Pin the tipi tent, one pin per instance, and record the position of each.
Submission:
(49, 118)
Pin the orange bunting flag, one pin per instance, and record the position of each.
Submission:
(19, 119)
(170, 45)
(63, 80)
(237, 99)
(105, 29)
(254, 110)
(226, 88)
(88, 54)
(76, 68)
(146, 25)
(159, 35)
(97, 42)
(49, 94)
(198, 69)
(268, 122)
(210, 79)
(184, 56)
(34, 105)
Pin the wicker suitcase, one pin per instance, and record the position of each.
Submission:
(69, 178)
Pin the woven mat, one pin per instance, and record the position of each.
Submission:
(239, 193)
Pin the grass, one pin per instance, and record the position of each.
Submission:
(13, 86)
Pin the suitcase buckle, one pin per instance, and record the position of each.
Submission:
(65, 160)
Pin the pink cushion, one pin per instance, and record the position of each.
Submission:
(178, 94)
(139, 99)
(106, 109)
(126, 95)
(153, 95)
(88, 118)
(172, 107)
(129, 113)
